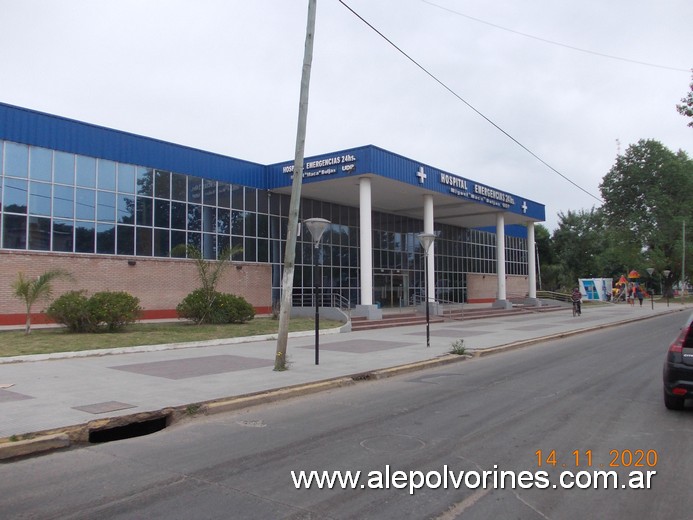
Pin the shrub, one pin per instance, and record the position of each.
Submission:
(71, 309)
(240, 311)
(104, 310)
(113, 310)
(203, 306)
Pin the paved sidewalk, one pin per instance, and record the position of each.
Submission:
(39, 394)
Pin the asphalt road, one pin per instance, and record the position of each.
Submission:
(594, 398)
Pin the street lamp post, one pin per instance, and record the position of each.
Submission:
(316, 228)
(650, 270)
(666, 273)
(426, 240)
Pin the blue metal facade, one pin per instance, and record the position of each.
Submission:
(25, 126)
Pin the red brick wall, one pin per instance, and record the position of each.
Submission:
(159, 283)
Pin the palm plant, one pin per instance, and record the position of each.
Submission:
(31, 290)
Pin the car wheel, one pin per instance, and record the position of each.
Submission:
(673, 402)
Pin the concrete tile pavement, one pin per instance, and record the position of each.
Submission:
(83, 391)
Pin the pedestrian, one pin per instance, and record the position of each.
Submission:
(576, 298)
(638, 294)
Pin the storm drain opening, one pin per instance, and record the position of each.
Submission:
(128, 431)
(366, 376)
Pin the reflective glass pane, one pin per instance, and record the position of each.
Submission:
(223, 243)
(237, 198)
(144, 211)
(15, 195)
(84, 237)
(39, 233)
(126, 209)
(263, 226)
(62, 235)
(209, 246)
(179, 215)
(39, 198)
(237, 222)
(162, 185)
(126, 178)
(210, 192)
(224, 194)
(177, 242)
(125, 240)
(14, 232)
(144, 241)
(145, 179)
(64, 168)
(195, 240)
(249, 250)
(262, 201)
(194, 217)
(224, 221)
(250, 199)
(209, 219)
(85, 206)
(41, 164)
(107, 175)
(161, 243)
(105, 239)
(86, 171)
(179, 187)
(194, 190)
(16, 159)
(162, 210)
(250, 225)
(106, 206)
(263, 250)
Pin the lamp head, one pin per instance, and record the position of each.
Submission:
(316, 227)
(426, 239)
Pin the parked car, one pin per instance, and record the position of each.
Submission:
(678, 369)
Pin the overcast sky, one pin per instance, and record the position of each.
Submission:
(224, 76)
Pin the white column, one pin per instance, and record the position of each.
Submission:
(366, 235)
(531, 262)
(500, 255)
(428, 228)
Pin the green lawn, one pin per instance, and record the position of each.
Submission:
(45, 341)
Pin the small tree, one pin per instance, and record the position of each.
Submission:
(208, 272)
(29, 291)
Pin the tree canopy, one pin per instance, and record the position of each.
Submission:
(646, 195)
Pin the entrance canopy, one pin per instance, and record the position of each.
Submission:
(398, 184)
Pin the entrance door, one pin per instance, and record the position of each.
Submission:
(390, 289)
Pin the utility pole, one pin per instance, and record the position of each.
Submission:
(290, 253)
(683, 264)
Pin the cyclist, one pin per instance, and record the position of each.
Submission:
(576, 298)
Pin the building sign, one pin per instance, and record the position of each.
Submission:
(461, 187)
(329, 166)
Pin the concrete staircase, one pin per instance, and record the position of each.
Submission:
(400, 319)
(392, 320)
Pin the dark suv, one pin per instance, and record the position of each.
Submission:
(678, 369)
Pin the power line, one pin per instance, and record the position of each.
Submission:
(432, 76)
(552, 42)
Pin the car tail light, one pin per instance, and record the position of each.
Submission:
(679, 391)
(677, 346)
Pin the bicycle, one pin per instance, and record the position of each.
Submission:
(577, 311)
